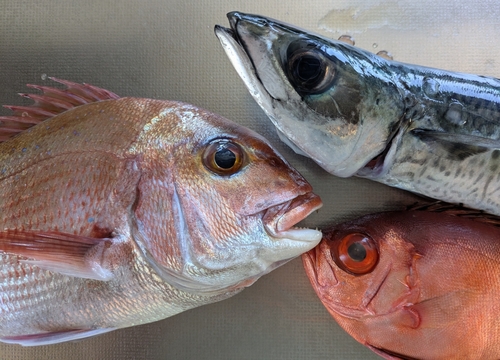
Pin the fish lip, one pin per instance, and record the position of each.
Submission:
(279, 220)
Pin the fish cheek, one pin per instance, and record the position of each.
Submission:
(342, 99)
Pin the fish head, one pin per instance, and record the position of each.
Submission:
(396, 280)
(364, 272)
(217, 204)
(328, 100)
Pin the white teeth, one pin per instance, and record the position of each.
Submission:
(308, 235)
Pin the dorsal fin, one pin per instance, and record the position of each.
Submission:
(456, 210)
(52, 102)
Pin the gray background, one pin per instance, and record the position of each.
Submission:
(167, 50)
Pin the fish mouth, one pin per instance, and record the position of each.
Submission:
(242, 62)
(280, 219)
(250, 55)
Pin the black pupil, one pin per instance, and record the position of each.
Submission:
(225, 158)
(356, 251)
(308, 68)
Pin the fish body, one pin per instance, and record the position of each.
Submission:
(123, 211)
(429, 131)
(412, 284)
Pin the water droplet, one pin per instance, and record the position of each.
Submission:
(375, 45)
(44, 76)
(385, 54)
(348, 39)
(454, 114)
(430, 87)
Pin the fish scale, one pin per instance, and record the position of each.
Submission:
(120, 305)
(420, 170)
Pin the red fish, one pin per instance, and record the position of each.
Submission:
(413, 284)
(122, 211)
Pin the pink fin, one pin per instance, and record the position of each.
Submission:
(52, 102)
(53, 337)
(67, 254)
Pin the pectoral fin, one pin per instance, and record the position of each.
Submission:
(456, 146)
(53, 337)
(68, 254)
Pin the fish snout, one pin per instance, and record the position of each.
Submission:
(280, 219)
(257, 23)
(257, 35)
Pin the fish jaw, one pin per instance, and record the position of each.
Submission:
(280, 219)
(322, 126)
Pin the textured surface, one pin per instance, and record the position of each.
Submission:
(408, 290)
(167, 50)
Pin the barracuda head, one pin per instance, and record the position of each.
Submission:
(328, 100)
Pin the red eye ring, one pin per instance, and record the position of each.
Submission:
(356, 253)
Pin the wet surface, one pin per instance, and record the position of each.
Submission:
(167, 50)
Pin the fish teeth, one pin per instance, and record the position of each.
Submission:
(302, 234)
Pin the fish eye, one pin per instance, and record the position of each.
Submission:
(223, 157)
(356, 253)
(310, 71)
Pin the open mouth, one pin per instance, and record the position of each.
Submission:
(279, 220)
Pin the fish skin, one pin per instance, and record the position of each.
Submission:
(126, 177)
(433, 293)
(432, 132)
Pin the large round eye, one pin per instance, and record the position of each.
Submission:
(356, 253)
(310, 71)
(223, 157)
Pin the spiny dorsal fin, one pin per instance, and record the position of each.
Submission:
(52, 102)
(456, 210)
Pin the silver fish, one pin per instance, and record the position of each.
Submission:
(429, 131)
